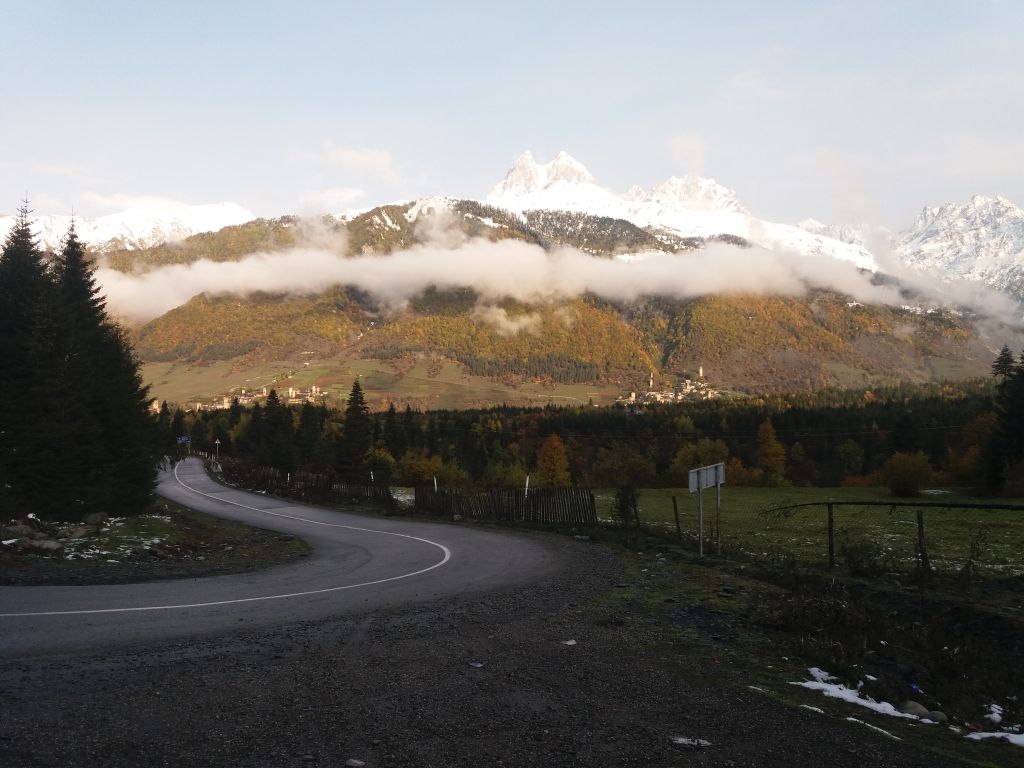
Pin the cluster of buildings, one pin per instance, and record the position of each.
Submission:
(246, 397)
(687, 389)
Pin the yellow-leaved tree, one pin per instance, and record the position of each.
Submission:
(552, 464)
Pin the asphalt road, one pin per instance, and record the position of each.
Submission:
(358, 564)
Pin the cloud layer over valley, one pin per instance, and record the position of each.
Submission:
(495, 270)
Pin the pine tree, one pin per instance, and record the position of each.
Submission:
(1003, 365)
(251, 440)
(77, 434)
(177, 426)
(163, 426)
(235, 412)
(26, 296)
(118, 438)
(308, 434)
(279, 442)
(127, 466)
(356, 435)
(394, 435)
(1006, 445)
(78, 386)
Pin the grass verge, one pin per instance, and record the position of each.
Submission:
(170, 542)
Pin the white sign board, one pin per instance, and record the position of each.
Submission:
(707, 477)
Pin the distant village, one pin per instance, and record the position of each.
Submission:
(687, 389)
(246, 397)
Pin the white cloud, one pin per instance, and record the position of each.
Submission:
(986, 90)
(689, 150)
(499, 319)
(121, 202)
(753, 85)
(331, 200)
(69, 170)
(44, 203)
(378, 162)
(941, 169)
(495, 270)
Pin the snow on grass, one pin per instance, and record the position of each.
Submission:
(685, 741)
(874, 728)
(825, 683)
(119, 537)
(1013, 738)
(813, 709)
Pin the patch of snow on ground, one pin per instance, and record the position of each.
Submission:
(813, 709)
(874, 728)
(403, 496)
(823, 682)
(388, 221)
(995, 713)
(687, 742)
(1013, 738)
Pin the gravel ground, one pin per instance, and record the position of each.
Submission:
(477, 681)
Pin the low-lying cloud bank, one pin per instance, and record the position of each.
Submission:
(495, 270)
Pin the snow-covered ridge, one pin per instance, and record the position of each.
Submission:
(136, 227)
(981, 240)
(688, 207)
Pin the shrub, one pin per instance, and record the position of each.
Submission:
(906, 473)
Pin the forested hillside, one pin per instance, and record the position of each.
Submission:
(743, 342)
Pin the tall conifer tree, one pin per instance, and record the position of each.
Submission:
(75, 434)
(356, 435)
(117, 438)
(26, 293)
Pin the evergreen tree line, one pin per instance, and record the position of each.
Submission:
(558, 368)
(826, 438)
(75, 433)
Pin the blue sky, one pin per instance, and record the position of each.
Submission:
(841, 111)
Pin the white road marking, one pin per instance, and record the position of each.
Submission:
(447, 556)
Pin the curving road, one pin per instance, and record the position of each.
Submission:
(358, 564)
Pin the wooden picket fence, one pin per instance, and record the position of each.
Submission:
(307, 486)
(543, 505)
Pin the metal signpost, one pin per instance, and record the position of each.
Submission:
(701, 478)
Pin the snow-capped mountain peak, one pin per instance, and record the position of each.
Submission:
(139, 227)
(855, 234)
(527, 176)
(567, 168)
(690, 206)
(980, 240)
(697, 193)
